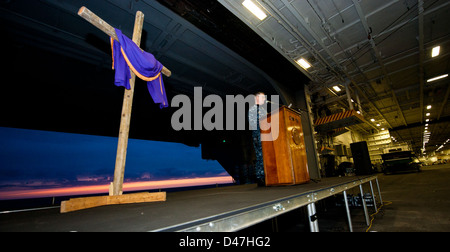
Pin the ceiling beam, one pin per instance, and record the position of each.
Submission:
(444, 103)
(411, 67)
(419, 125)
(305, 25)
(387, 31)
(403, 55)
(362, 17)
(295, 12)
(421, 57)
(281, 19)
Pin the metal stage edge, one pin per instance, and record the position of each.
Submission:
(222, 209)
(245, 217)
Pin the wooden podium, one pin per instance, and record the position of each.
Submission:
(284, 149)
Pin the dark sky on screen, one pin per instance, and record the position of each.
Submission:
(32, 158)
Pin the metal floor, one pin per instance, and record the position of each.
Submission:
(420, 203)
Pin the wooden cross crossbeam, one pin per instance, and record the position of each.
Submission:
(108, 29)
(117, 185)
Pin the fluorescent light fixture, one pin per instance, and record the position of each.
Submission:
(253, 8)
(429, 107)
(438, 78)
(303, 63)
(436, 51)
(337, 88)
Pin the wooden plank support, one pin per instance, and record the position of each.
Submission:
(90, 202)
(106, 28)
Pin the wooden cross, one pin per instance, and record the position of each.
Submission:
(116, 186)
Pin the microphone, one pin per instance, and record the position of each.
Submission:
(273, 103)
(290, 105)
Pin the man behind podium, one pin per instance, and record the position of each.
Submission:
(255, 113)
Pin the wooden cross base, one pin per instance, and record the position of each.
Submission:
(90, 202)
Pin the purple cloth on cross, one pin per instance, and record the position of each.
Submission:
(126, 55)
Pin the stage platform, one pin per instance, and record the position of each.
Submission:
(229, 208)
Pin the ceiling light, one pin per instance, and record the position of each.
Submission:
(337, 89)
(426, 125)
(382, 128)
(436, 51)
(429, 107)
(438, 78)
(428, 114)
(427, 120)
(303, 63)
(378, 125)
(372, 120)
(253, 8)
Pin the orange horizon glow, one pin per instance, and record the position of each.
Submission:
(127, 186)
